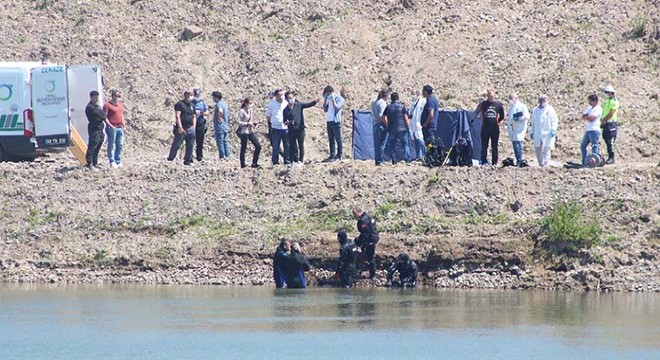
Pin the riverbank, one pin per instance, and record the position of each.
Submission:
(156, 222)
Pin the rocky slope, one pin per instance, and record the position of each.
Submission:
(213, 223)
(566, 49)
(155, 222)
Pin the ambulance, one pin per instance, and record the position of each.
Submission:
(40, 104)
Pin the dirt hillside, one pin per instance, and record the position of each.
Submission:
(157, 222)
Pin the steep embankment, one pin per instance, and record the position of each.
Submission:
(155, 222)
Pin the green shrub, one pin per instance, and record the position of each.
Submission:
(191, 221)
(567, 231)
(638, 28)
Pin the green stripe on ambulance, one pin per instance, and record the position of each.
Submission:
(10, 123)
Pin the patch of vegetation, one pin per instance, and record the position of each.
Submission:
(219, 230)
(164, 253)
(567, 231)
(33, 218)
(325, 220)
(397, 227)
(638, 27)
(434, 225)
(611, 239)
(191, 221)
(434, 179)
(101, 258)
(330, 220)
(284, 228)
(618, 204)
(385, 210)
(475, 219)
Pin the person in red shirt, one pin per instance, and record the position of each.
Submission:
(115, 128)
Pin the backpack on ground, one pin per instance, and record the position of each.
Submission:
(436, 152)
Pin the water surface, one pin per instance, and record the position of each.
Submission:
(39, 322)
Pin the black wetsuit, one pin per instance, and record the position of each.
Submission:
(294, 271)
(347, 264)
(367, 241)
(407, 274)
(279, 264)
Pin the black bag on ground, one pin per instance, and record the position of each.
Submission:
(435, 152)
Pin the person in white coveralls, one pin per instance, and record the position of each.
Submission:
(517, 126)
(544, 130)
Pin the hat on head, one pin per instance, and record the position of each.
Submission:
(608, 89)
(217, 94)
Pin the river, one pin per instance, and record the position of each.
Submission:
(42, 322)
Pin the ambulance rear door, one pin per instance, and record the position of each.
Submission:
(50, 106)
(82, 80)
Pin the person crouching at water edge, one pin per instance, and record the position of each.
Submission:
(407, 270)
(544, 130)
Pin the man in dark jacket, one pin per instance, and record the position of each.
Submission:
(96, 122)
(407, 272)
(279, 263)
(347, 260)
(295, 268)
(295, 118)
(397, 123)
(185, 124)
(367, 239)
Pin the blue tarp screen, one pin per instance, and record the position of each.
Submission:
(450, 124)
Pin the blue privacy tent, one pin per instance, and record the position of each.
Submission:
(450, 123)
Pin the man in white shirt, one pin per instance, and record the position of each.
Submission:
(279, 128)
(517, 126)
(591, 116)
(417, 103)
(544, 130)
(333, 105)
(380, 132)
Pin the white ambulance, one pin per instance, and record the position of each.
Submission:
(39, 103)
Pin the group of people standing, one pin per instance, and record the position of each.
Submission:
(394, 122)
(286, 126)
(290, 264)
(105, 121)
